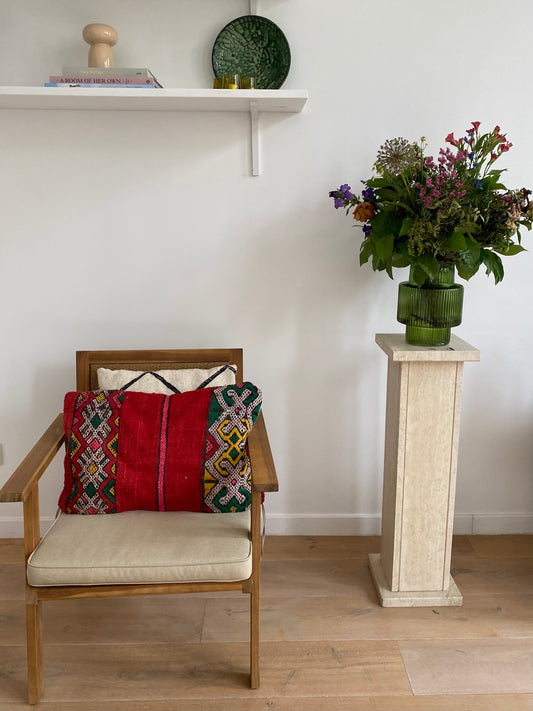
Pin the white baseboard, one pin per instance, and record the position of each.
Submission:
(13, 527)
(485, 524)
(341, 524)
(370, 524)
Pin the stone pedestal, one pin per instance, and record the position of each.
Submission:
(421, 443)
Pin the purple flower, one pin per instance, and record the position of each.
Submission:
(366, 230)
(340, 195)
(368, 194)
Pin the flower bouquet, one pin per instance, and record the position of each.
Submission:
(423, 212)
(437, 217)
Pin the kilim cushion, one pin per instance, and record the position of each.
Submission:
(166, 382)
(130, 451)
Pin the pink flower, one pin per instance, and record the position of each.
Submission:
(450, 139)
(477, 124)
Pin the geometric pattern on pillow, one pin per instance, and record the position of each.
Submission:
(166, 382)
(91, 453)
(185, 452)
(227, 472)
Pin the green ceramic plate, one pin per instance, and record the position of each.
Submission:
(253, 46)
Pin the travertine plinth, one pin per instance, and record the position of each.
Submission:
(421, 443)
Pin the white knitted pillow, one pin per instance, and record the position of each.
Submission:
(166, 382)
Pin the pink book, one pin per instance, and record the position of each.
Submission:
(99, 79)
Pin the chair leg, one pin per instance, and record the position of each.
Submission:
(255, 600)
(255, 679)
(34, 646)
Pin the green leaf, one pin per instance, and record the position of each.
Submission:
(419, 276)
(403, 248)
(510, 249)
(385, 223)
(388, 194)
(429, 264)
(384, 247)
(401, 260)
(473, 248)
(380, 224)
(407, 223)
(378, 183)
(367, 249)
(456, 242)
(377, 264)
(493, 264)
(466, 271)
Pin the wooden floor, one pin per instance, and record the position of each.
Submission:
(326, 642)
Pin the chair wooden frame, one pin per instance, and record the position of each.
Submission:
(23, 487)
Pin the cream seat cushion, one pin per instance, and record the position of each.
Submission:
(143, 547)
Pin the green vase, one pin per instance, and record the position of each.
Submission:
(430, 311)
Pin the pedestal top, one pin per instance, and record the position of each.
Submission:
(397, 349)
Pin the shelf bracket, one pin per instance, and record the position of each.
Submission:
(254, 130)
(253, 7)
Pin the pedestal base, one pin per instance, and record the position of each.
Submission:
(419, 598)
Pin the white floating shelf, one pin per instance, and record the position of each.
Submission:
(83, 99)
(252, 101)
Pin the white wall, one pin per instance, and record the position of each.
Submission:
(124, 230)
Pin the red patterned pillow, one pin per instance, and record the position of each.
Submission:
(185, 452)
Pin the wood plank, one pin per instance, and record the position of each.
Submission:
(313, 618)
(481, 702)
(157, 620)
(107, 673)
(12, 582)
(317, 577)
(470, 666)
(310, 547)
(491, 576)
(508, 546)
(11, 550)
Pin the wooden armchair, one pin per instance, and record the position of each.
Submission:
(237, 535)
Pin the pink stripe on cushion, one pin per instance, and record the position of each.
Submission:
(163, 435)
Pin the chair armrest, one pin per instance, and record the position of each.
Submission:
(263, 470)
(27, 474)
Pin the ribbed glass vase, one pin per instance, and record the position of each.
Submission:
(430, 311)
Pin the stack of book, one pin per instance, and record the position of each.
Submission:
(102, 77)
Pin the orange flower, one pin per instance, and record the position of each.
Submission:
(363, 212)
